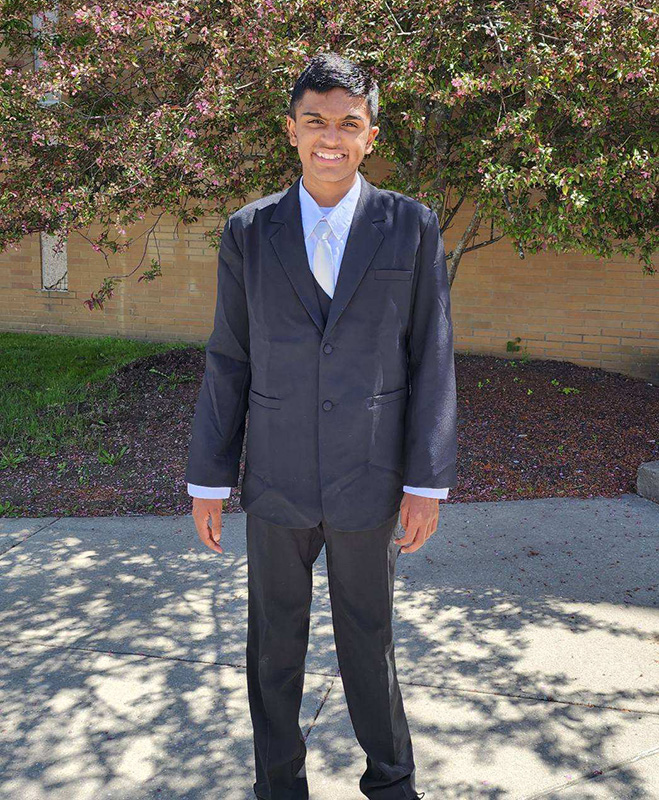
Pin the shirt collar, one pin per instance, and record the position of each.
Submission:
(339, 217)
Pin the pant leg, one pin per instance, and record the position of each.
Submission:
(361, 570)
(279, 580)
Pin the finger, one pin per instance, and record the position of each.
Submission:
(419, 540)
(201, 523)
(209, 542)
(410, 535)
(216, 519)
(404, 515)
(412, 546)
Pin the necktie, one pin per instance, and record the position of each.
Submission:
(323, 261)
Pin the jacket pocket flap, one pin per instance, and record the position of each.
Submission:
(377, 399)
(393, 274)
(262, 400)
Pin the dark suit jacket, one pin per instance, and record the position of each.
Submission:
(341, 415)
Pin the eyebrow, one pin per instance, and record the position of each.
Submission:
(316, 114)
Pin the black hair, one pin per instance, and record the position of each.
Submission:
(329, 70)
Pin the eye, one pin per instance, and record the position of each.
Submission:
(320, 120)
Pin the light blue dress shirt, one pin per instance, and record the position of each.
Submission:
(339, 218)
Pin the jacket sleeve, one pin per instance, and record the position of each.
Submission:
(218, 425)
(431, 412)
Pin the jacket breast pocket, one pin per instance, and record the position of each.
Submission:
(392, 274)
(262, 400)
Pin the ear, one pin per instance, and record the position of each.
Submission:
(290, 128)
(371, 139)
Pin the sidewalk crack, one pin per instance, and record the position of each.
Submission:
(592, 775)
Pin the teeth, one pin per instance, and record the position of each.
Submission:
(334, 157)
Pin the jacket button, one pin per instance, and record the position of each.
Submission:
(328, 348)
(327, 404)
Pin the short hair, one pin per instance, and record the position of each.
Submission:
(329, 70)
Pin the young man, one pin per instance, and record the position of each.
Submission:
(333, 327)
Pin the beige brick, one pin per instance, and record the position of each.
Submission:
(609, 331)
(580, 347)
(602, 339)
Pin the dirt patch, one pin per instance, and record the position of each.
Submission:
(522, 433)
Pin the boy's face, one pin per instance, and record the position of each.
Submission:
(331, 123)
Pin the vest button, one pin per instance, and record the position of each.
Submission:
(327, 404)
(328, 348)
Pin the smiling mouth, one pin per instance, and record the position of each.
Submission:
(330, 160)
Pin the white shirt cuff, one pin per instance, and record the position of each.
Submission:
(439, 494)
(209, 492)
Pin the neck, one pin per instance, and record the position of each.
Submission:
(328, 193)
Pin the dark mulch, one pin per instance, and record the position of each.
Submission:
(520, 437)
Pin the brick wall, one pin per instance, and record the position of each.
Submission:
(601, 313)
(567, 306)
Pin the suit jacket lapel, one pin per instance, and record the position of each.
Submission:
(364, 238)
(288, 243)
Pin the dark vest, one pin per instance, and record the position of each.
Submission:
(324, 299)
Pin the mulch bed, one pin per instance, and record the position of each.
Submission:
(513, 444)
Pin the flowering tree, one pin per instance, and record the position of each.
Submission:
(536, 114)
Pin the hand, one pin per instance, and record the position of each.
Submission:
(418, 516)
(202, 509)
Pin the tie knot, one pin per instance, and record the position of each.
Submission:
(323, 229)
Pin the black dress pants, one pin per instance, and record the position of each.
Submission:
(361, 569)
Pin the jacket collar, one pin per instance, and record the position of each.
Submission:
(364, 238)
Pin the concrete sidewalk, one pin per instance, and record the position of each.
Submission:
(526, 643)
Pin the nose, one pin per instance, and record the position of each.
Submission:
(331, 136)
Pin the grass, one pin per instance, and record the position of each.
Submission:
(46, 377)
